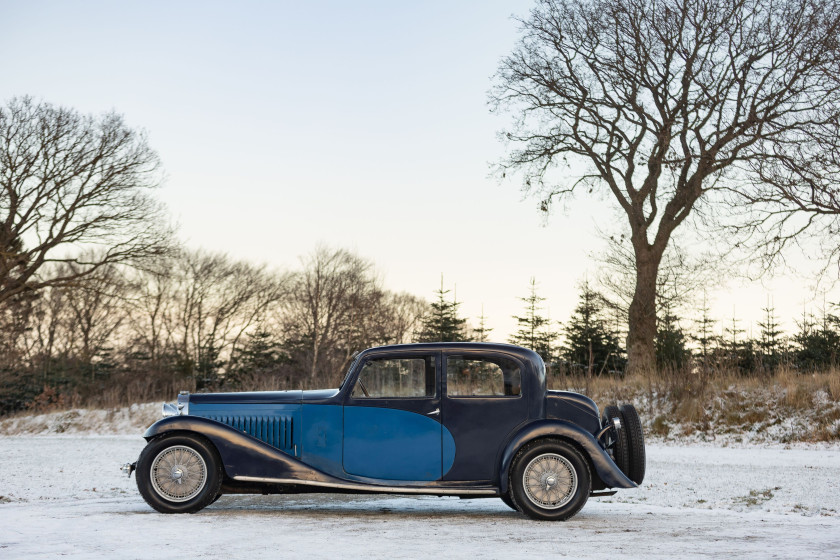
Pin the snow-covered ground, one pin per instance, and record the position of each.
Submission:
(63, 495)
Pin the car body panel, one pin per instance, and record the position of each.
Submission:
(435, 444)
(278, 425)
(321, 436)
(393, 444)
(603, 464)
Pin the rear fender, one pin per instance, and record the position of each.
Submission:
(605, 467)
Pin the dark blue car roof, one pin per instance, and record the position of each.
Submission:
(532, 360)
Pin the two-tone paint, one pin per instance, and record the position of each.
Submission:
(331, 440)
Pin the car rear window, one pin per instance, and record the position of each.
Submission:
(494, 376)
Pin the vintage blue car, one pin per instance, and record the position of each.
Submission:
(456, 419)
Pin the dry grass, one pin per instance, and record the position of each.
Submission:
(781, 406)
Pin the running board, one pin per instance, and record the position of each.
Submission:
(602, 494)
(437, 491)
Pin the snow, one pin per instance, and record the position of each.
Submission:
(63, 495)
(123, 420)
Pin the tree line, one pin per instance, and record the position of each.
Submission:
(591, 340)
(199, 320)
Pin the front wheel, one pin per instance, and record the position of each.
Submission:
(509, 502)
(179, 474)
(550, 480)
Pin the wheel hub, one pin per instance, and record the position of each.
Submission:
(178, 473)
(550, 481)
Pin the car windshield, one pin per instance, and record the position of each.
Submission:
(350, 369)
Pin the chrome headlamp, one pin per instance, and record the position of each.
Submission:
(179, 408)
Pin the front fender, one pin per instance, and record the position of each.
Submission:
(605, 467)
(241, 454)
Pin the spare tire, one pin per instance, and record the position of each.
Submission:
(632, 428)
(620, 451)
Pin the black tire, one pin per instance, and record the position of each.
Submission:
(635, 442)
(565, 465)
(509, 502)
(620, 449)
(195, 479)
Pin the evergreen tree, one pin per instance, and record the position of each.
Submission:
(481, 333)
(589, 342)
(770, 336)
(705, 336)
(671, 350)
(740, 354)
(731, 341)
(818, 343)
(534, 331)
(261, 354)
(442, 324)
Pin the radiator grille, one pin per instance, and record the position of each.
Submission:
(277, 431)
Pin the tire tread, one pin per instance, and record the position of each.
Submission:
(635, 443)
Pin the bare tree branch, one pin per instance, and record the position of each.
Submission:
(70, 185)
(670, 104)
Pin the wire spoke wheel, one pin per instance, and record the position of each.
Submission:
(550, 481)
(178, 473)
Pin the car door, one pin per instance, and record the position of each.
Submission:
(392, 429)
(482, 406)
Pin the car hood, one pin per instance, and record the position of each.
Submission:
(263, 397)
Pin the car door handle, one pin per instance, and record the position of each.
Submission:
(435, 412)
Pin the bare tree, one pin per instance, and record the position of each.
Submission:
(670, 104)
(69, 181)
(331, 310)
(402, 318)
(96, 307)
(680, 280)
(151, 302)
(217, 301)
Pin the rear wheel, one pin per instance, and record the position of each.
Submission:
(550, 480)
(620, 451)
(635, 443)
(179, 474)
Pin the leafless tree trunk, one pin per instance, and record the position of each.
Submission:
(669, 104)
(332, 292)
(218, 300)
(96, 309)
(69, 181)
(680, 280)
(150, 302)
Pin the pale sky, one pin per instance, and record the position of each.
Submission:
(356, 124)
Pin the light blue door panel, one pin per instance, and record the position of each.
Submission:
(321, 437)
(391, 444)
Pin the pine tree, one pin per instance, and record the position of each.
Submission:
(589, 342)
(534, 331)
(261, 352)
(670, 342)
(818, 342)
(740, 354)
(481, 333)
(770, 334)
(705, 332)
(442, 324)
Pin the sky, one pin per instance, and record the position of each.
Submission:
(362, 125)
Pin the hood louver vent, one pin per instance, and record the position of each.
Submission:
(276, 431)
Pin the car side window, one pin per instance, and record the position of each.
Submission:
(492, 376)
(396, 378)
